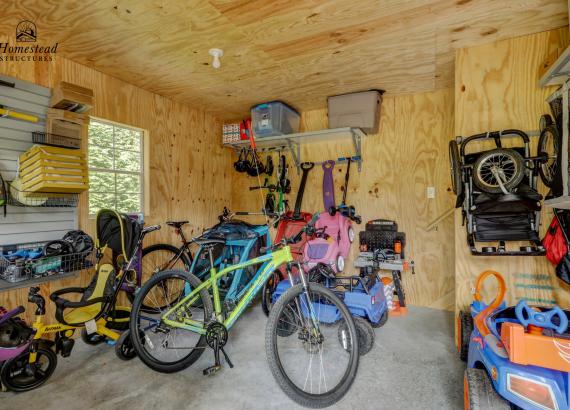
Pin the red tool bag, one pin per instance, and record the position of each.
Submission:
(555, 243)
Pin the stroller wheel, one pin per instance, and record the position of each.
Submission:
(124, 348)
(498, 169)
(455, 165)
(548, 148)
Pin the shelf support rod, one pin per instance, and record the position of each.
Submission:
(296, 154)
(357, 142)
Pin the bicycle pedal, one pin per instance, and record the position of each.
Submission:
(211, 370)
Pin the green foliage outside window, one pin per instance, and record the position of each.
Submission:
(115, 167)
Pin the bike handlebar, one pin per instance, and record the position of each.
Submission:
(151, 228)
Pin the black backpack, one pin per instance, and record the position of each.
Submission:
(79, 241)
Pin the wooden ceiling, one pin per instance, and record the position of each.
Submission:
(296, 50)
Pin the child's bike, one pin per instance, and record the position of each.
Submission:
(310, 334)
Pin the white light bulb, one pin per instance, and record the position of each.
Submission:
(216, 53)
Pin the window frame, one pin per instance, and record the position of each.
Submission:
(144, 169)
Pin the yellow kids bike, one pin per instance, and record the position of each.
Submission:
(96, 314)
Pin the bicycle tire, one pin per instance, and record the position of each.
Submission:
(7, 380)
(136, 337)
(187, 261)
(289, 388)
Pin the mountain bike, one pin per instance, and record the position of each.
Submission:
(310, 334)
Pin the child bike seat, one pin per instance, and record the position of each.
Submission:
(94, 298)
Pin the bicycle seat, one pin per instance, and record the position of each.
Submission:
(176, 224)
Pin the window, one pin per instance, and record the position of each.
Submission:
(116, 167)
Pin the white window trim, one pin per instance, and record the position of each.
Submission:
(145, 188)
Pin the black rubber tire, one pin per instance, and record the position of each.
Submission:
(162, 247)
(93, 339)
(136, 337)
(365, 334)
(382, 321)
(267, 291)
(124, 348)
(480, 394)
(7, 382)
(514, 181)
(293, 392)
(549, 132)
(465, 328)
(455, 167)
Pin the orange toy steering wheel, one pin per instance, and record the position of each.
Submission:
(480, 319)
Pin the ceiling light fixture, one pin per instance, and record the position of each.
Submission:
(216, 53)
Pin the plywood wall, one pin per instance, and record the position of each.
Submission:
(496, 87)
(400, 162)
(185, 154)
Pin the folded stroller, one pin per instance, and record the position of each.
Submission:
(497, 190)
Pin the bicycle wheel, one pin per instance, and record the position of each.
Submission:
(19, 375)
(161, 347)
(315, 365)
(158, 258)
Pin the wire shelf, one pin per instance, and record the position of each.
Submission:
(56, 140)
(28, 261)
(17, 197)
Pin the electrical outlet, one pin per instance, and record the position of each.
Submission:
(431, 192)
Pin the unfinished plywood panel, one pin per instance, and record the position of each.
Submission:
(407, 155)
(297, 50)
(186, 159)
(497, 88)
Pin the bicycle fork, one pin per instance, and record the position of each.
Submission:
(310, 310)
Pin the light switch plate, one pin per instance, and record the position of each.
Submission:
(431, 192)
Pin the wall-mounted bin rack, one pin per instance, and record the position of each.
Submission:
(25, 264)
(55, 140)
(19, 197)
(293, 142)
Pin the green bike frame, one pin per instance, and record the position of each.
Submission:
(272, 260)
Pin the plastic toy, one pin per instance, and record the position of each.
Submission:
(363, 295)
(517, 356)
(346, 210)
(15, 334)
(331, 243)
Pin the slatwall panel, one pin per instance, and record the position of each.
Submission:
(27, 224)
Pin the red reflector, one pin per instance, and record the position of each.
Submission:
(531, 391)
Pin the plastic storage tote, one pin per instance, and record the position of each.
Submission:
(274, 118)
(358, 110)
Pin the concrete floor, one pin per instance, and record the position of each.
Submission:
(413, 365)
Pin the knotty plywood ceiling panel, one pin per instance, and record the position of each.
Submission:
(296, 50)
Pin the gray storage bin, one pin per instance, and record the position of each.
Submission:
(359, 110)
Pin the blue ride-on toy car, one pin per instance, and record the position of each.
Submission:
(363, 295)
(518, 357)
